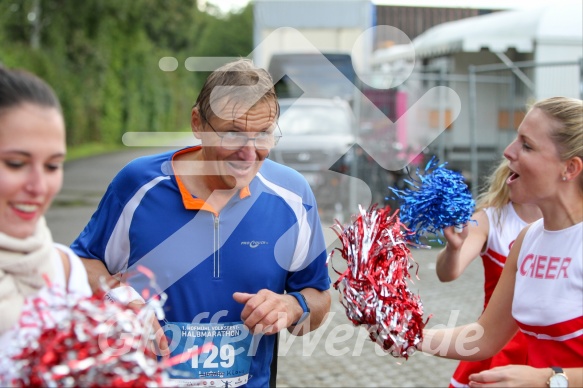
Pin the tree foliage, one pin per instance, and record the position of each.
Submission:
(102, 58)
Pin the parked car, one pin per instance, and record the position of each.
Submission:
(312, 71)
(318, 138)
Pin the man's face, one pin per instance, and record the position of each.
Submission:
(230, 146)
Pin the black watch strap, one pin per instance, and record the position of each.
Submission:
(558, 379)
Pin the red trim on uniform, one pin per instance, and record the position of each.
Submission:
(556, 330)
(492, 273)
(544, 353)
(514, 352)
(497, 256)
(188, 200)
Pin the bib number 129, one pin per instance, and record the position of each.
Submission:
(225, 355)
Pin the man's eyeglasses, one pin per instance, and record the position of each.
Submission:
(233, 140)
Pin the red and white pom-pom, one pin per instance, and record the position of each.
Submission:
(374, 287)
(63, 340)
(67, 340)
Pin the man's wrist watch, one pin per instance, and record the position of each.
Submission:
(303, 303)
(558, 379)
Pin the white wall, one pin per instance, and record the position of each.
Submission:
(561, 80)
(329, 25)
(285, 40)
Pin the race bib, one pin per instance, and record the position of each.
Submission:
(225, 360)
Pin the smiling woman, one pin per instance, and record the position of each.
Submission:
(32, 151)
(540, 288)
(32, 148)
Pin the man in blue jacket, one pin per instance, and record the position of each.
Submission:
(234, 239)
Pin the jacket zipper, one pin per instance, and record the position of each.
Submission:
(216, 254)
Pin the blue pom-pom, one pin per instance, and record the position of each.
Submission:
(437, 199)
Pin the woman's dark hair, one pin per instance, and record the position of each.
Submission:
(19, 86)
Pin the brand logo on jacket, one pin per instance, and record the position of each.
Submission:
(254, 244)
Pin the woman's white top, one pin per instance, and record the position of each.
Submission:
(77, 285)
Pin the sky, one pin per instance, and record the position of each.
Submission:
(227, 5)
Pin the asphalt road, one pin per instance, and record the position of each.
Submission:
(336, 355)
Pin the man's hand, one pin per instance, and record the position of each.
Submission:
(159, 345)
(267, 312)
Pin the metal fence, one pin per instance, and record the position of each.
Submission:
(493, 100)
(526, 82)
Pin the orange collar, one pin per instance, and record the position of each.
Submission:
(191, 202)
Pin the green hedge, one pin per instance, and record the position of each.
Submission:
(101, 57)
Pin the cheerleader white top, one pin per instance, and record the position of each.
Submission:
(505, 225)
(548, 295)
